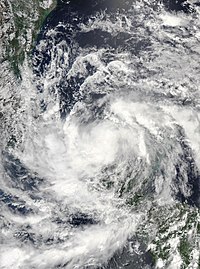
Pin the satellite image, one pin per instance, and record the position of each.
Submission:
(100, 134)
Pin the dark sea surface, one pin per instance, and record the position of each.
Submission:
(103, 170)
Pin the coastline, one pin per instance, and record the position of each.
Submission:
(20, 29)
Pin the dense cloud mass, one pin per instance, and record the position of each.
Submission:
(100, 138)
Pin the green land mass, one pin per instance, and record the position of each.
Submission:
(22, 21)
